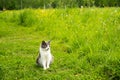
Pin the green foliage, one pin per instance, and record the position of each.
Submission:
(85, 43)
(21, 4)
(27, 18)
(1, 73)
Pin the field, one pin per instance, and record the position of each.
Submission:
(85, 43)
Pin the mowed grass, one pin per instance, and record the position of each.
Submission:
(85, 43)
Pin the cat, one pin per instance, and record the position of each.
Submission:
(45, 58)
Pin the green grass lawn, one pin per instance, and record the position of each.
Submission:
(85, 43)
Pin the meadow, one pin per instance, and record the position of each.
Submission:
(85, 43)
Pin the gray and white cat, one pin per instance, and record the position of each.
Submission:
(45, 57)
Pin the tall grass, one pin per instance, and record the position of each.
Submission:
(85, 43)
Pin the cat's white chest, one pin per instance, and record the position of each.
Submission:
(45, 54)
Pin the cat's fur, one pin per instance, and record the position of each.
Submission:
(45, 57)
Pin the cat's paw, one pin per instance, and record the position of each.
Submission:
(48, 67)
(45, 68)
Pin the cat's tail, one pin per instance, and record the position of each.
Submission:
(38, 59)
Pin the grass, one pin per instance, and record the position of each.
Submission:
(85, 43)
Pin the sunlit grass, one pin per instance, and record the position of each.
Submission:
(85, 43)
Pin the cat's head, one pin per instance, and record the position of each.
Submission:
(45, 45)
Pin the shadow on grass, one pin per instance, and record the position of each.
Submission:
(1, 73)
(39, 68)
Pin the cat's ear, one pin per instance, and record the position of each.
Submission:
(49, 42)
(43, 42)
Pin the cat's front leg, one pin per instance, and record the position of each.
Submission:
(48, 63)
(44, 66)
